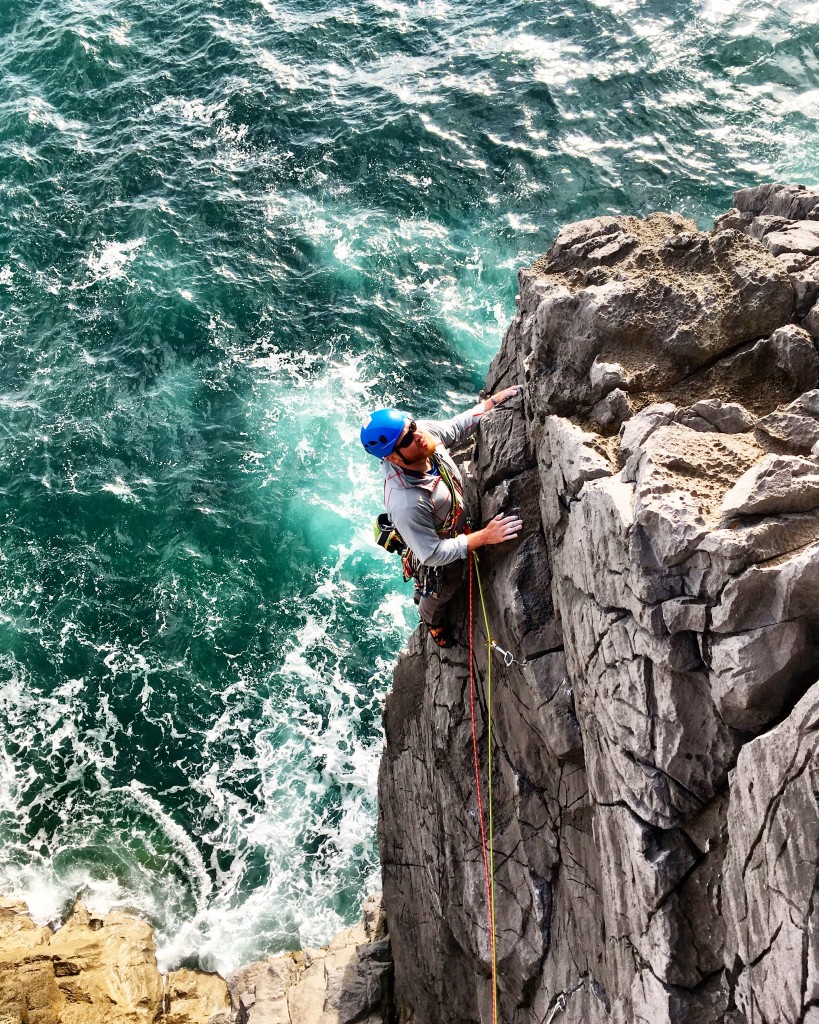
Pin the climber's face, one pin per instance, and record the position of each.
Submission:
(414, 446)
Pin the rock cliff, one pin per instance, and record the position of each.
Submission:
(656, 775)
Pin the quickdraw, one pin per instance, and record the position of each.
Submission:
(559, 1007)
(427, 579)
(507, 656)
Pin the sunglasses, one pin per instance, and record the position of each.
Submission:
(408, 438)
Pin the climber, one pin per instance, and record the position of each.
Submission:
(423, 495)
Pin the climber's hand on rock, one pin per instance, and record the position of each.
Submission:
(501, 396)
(496, 531)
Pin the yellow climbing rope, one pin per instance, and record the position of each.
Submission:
(491, 839)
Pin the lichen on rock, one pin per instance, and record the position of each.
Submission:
(654, 740)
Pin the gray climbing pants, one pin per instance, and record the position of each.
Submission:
(433, 607)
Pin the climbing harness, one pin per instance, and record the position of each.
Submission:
(488, 848)
(428, 579)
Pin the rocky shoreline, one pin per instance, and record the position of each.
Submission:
(102, 970)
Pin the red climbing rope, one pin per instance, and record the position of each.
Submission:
(489, 903)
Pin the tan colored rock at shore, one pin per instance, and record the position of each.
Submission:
(96, 971)
(348, 980)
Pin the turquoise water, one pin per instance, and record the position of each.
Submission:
(229, 229)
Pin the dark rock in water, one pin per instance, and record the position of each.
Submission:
(655, 816)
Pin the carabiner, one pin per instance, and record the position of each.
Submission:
(508, 657)
(559, 1007)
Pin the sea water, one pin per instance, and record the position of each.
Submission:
(229, 229)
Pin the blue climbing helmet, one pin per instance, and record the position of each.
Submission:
(382, 430)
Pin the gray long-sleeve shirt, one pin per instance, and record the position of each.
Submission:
(419, 503)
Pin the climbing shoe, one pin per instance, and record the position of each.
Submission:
(441, 635)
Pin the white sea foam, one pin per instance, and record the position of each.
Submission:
(40, 111)
(121, 489)
(109, 260)
(308, 744)
(285, 74)
(192, 111)
(198, 873)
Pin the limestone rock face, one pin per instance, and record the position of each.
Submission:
(769, 875)
(654, 726)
